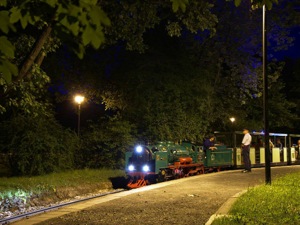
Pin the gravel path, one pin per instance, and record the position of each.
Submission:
(187, 201)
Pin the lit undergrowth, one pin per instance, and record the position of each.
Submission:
(26, 186)
(278, 203)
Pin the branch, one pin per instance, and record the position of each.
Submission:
(34, 53)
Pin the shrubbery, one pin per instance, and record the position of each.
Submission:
(37, 145)
(40, 145)
(104, 144)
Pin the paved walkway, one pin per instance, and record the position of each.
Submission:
(189, 201)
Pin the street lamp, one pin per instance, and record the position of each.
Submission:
(78, 99)
(232, 119)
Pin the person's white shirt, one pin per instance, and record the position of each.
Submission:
(247, 139)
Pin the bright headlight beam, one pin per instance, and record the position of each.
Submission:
(131, 168)
(146, 168)
(139, 149)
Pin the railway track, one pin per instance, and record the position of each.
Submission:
(12, 219)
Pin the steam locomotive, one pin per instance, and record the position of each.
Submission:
(147, 164)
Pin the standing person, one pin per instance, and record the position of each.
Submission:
(280, 146)
(271, 146)
(297, 149)
(246, 150)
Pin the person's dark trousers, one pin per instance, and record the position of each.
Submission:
(246, 157)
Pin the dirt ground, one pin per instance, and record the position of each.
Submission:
(186, 201)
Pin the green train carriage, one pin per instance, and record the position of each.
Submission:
(162, 161)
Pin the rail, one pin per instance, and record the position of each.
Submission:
(9, 220)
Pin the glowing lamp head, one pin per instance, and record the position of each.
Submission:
(131, 168)
(78, 99)
(146, 168)
(232, 119)
(139, 149)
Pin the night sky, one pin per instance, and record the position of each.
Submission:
(293, 51)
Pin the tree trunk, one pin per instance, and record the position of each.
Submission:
(40, 59)
(36, 56)
(34, 53)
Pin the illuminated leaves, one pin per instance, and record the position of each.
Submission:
(8, 70)
(176, 4)
(198, 17)
(6, 67)
(258, 3)
(3, 2)
(174, 29)
(26, 96)
(6, 47)
(4, 22)
(83, 20)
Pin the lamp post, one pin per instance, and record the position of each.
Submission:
(78, 99)
(265, 97)
(232, 119)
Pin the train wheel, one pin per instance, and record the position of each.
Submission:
(151, 179)
(161, 176)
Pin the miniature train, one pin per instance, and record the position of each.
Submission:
(162, 161)
(147, 164)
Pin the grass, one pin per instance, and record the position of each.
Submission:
(87, 180)
(278, 203)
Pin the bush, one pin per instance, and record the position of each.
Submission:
(104, 145)
(37, 145)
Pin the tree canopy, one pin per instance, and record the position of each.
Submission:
(150, 70)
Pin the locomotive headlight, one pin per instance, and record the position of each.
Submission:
(146, 168)
(131, 167)
(139, 149)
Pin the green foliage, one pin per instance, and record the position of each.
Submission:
(291, 78)
(169, 98)
(3, 2)
(132, 19)
(237, 76)
(269, 204)
(176, 4)
(28, 96)
(37, 145)
(105, 143)
(84, 20)
(196, 18)
(258, 3)
(280, 114)
(280, 109)
(172, 93)
(7, 47)
(7, 69)
(268, 3)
